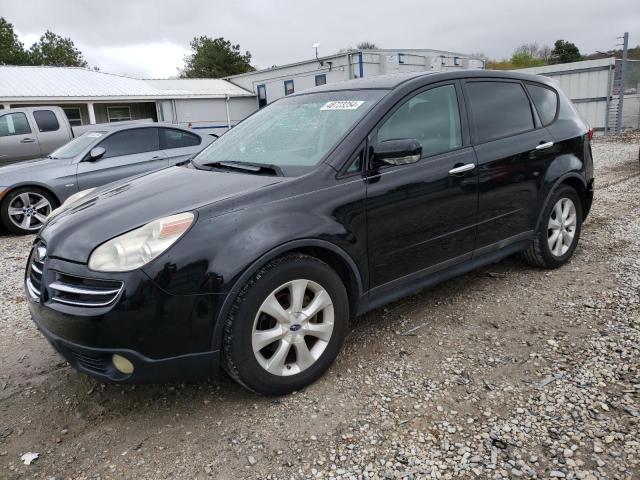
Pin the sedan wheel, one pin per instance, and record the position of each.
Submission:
(25, 210)
(293, 327)
(561, 229)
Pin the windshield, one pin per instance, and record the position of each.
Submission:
(294, 133)
(77, 145)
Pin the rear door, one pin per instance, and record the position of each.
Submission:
(127, 153)
(17, 139)
(177, 144)
(422, 217)
(512, 149)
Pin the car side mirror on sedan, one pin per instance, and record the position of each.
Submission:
(96, 153)
(397, 152)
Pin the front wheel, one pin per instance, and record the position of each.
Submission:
(558, 231)
(24, 210)
(286, 326)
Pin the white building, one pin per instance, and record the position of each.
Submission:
(89, 97)
(273, 83)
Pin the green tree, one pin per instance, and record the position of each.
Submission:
(215, 58)
(11, 49)
(366, 46)
(525, 60)
(57, 51)
(565, 52)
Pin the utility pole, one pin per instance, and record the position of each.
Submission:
(623, 77)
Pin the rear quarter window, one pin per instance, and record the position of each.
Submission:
(172, 138)
(546, 102)
(499, 109)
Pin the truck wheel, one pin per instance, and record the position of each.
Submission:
(24, 210)
(286, 326)
(558, 231)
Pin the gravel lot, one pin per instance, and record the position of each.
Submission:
(505, 372)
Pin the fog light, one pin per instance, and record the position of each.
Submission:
(122, 364)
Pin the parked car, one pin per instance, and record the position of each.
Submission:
(317, 208)
(32, 132)
(30, 190)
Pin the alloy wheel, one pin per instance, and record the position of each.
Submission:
(561, 229)
(29, 210)
(293, 327)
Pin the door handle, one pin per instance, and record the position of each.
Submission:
(544, 146)
(27, 140)
(157, 157)
(462, 169)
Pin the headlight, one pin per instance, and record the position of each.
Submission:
(70, 201)
(138, 247)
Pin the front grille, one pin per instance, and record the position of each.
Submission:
(34, 277)
(84, 292)
(96, 363)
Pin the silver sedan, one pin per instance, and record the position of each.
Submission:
(30, 190)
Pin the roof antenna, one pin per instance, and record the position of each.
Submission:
(315, 46)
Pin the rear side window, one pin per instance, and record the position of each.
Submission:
(545, 101)
(171, 138)
(431, 117)
(14, 124)
(129, 142)
(499, 109)
(46, 120)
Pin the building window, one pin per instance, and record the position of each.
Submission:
(456, 61)
(262, 95)
(118, 114)
(288, 87)
(73, 115)
(401, 58)
(321, 80)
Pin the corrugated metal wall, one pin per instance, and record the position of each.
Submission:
(587, 84)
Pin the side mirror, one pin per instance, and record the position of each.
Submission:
(96, 153)
(397, 152)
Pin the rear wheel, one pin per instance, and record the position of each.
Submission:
(24, 210)
(287, 325)
(558, 231)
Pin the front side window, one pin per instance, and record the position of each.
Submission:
(294, 133)
(130, 142)
(545, 101)
(288, 87)
(432, 118)
(172, 138)
(14, 124)
(499, 109)
(46, 120)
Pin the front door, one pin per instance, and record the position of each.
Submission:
(422, 217)
(127, 153)
(17, 140)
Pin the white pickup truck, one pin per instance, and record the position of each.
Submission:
(34, 132)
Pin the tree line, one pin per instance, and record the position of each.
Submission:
(218, 57)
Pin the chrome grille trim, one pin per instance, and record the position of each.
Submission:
(62, 287)
(33, 291)
(35, 268)
(84, 292)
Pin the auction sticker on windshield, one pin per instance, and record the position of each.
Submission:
(342, 105)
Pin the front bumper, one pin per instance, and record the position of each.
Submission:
(164, 336)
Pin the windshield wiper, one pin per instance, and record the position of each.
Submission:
(255, 168)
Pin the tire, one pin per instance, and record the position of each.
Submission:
(544, 251)
(39, 203)
(283, 366)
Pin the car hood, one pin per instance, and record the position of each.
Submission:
(123, 206)
(8, 172)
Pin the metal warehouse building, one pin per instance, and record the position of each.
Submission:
(276, 82)
(89, 97)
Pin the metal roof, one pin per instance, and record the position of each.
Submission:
(22, 83)
(201, 86)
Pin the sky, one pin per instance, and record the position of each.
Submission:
(149, 38)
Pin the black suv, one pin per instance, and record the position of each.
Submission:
(254, 255)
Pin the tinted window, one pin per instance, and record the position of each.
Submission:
(431, 117)
(14, 124)
(288, 87)
(545, 101)
(128, 142)
(499, 109)
(170, 138)
(46, 120)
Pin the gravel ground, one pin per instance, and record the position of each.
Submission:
(506, 372)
